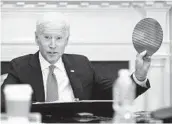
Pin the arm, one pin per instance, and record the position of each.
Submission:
(141, 87)
(103, 88)
(140, 75)
(139, 78)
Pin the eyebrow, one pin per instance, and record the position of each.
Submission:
(51, 35)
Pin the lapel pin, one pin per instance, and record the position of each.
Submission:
(72, 70)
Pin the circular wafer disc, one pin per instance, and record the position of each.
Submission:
(147, 35)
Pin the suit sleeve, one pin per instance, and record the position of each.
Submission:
(140, 89)
(102, 86)
(102, 89)
(12, 78)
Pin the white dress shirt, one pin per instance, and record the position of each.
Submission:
(141, 83)
(65, 92)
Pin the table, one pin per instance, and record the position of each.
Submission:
(81, 112)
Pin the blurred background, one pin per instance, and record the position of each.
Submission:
(100, 30)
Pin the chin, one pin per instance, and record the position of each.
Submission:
(53, 61)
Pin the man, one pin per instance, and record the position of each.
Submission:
(54, 75)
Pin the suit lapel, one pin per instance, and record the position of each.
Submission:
(74, 81)
(36, 78)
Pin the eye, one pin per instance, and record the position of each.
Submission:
(47, 37)
(58, 38)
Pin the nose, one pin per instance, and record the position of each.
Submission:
(52, 43)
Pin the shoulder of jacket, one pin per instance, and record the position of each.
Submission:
(22, 59)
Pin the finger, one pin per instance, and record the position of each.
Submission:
(142, 54)
(147, 58)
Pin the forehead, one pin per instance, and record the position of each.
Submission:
(52, 29)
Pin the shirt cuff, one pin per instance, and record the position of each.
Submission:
(141, 83)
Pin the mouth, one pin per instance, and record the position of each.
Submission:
(52, 53)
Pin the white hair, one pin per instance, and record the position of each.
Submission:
(54, 19)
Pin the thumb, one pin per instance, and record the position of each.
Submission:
(142, 54)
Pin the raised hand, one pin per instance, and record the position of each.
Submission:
(142, 65)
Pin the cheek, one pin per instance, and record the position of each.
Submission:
(64, 44)
(43, 45)
(62, 47)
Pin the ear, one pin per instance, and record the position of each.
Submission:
(36, 37)
(67, 39)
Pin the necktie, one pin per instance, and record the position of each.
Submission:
(52, 87)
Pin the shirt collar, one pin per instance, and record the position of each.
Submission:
(45, 64)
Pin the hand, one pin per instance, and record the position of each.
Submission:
(142, 65)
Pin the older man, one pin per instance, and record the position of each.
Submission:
(54, 75)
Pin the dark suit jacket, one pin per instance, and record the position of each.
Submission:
(85, 82)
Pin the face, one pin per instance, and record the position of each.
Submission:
(52, 42)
